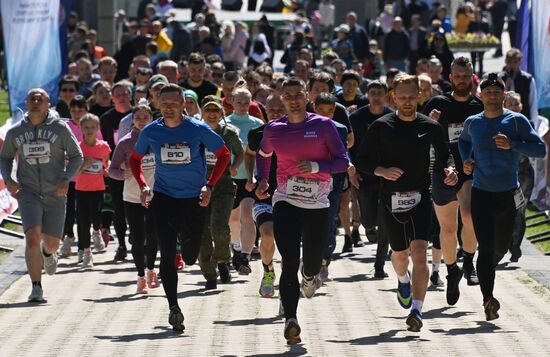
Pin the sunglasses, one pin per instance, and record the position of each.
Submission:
(68, 90)
(217, 74)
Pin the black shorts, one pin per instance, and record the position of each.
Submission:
(262, 212)
(443, 194)
(404, 227)
(241, 193)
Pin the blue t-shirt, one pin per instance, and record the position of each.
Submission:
(244, 123)
(179, 154)
(496, 170)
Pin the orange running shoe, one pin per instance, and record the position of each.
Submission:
(178, 262)
(152, 279)
(141, 285)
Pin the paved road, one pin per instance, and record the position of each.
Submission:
(96, 313)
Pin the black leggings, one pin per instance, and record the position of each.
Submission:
(70, 211)
(291, 226)
(119, 219)
(89, 214)
(493, 216)
(175, 216)
(143, 231)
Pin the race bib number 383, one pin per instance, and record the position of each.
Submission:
(175, 154)
(302, 188)
(37, 152)
(404, 201)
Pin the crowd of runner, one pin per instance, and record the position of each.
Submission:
(209, 161)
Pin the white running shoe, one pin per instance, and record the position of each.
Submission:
(87, 259)
(308, 286)
(49, 263)
(65, 250)
(80, 256)
(99, 244)
(37, 295)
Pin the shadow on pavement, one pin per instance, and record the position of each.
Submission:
(385, 337)
(24, 304)
(483, 327)
(294, 350)
(505, 266)
(363, 259)
(257, 321)
(164, 334)
(439, 313)
(127, 297)
(351, 279)
(120, 284)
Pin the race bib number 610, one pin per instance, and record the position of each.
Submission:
(175, 154)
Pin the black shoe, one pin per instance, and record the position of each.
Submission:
(491, 309)
(348, 245)
(235, 261)
(244, 266)
(121, 254)
(470, 274)
(459, 254)
(516, 254)
(225, 275)
(497, 54)
(210, 285)
(453, 290)
(372, 234)
(356, 238)
(176, 319)
(380, 274)
(435, 279)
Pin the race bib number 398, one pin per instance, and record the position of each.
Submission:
(176, 154)
(300, 187)
(37, 152)
(404, 201)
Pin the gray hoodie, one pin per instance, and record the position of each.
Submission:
(41, 152)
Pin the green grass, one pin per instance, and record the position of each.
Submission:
(542, 246)
(4, 107)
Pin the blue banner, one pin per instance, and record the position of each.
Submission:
(522, 36)
(31, 41)
(541, 49)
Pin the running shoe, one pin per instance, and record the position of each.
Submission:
(491, 309)
(470, 274)
(141, 285)
(323, 274)
(267, 288)
(255, 250)
(292, 332)
(235, 260)
(414, 321)
(37, 294)
(435, 279)
(348, 245)
(404, 294)
(65, 249)
(308, 286)
(516, 254)
(99, 245)
(453, 289)
(210, 285)
(380, 274)
(50, 262)
(356, 239)
(121, 253)
(176, 319)
(178, 262)
(152, 279)
(372, 234)
(244, 265)
(87, 258)
(80, 256)
(225, 274)
(105, 236)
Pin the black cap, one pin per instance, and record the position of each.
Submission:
(492, 79)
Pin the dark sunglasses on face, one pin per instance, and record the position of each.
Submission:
(68, 90)
(217, 75)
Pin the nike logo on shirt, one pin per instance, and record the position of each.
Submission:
(421, 135)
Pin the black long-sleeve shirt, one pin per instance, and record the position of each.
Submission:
(392, 142)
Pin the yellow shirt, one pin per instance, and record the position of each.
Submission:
(462, 22)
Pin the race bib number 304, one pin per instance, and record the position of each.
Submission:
(302, 188)
(37, 152)
(404, 201)
(176, 154)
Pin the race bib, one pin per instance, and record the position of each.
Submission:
(175, 154)
(519, 198)
(454, 132)
(404, 201)
(211, 159)
(259, 209)
(96, 168)
(148, 162)
(302, 188)
(37, 152)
